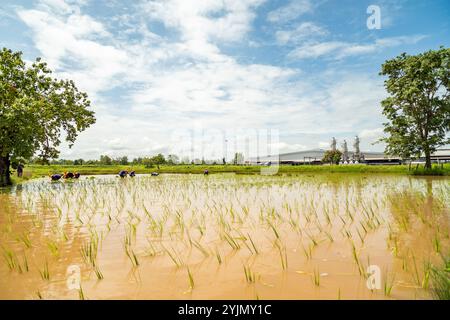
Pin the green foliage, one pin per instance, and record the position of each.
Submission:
(418, 106)
(156, 160)
(34, 110)
(332, 157)
(105, 160)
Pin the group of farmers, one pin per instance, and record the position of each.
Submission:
(122, 174)
(65, 175)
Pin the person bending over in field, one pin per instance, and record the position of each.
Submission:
(56, 177)
(123, 173)
(77, 175)
(68, 175)
(132, 174)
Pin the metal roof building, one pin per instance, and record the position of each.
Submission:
(315, 156)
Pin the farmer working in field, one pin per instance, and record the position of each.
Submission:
(123, 173)
(68, 175)
(56, 177)
(20, 170)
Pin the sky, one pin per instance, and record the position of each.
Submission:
(163, 75)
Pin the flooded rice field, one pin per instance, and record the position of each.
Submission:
(224, 236)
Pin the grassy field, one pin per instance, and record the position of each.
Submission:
(37, 171)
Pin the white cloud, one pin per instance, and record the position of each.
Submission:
(291, 11)
(71, 44)
(371, 133)
(339, 49)
(206, 20)
(305, 30)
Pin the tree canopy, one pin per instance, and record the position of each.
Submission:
(35, 110)
(418, 106)
(332, 156)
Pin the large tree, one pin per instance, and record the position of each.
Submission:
(35, 109)
(418, 106)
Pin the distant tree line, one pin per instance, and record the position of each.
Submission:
(148, 162)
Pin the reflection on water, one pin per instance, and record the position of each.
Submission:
(223, 236)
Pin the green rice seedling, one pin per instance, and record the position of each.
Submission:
(89, 252)
(191, 279)
(201, 248)
(25, 239)
(357, 260)
(360, 236)
(10, 258)
(416, 271)
(255, 249)
(316, 277)
(176, 260)
(81, 295)
(45, 274)
(231, 241)
(329, 236)
(98, 273)
(132, 256)
(307, 252)
(437, 243)
(53, 247)
(250, 276)
(388, 285)
(426, 275)
(218, 257)
(274, 229)
(25, 263)
(283, 255)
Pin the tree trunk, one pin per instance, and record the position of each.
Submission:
(5, 179)
(427, 159)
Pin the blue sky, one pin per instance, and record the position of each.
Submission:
(155, 70)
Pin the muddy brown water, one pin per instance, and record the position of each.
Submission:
(224, 236)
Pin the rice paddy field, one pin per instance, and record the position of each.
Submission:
(225, 236)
